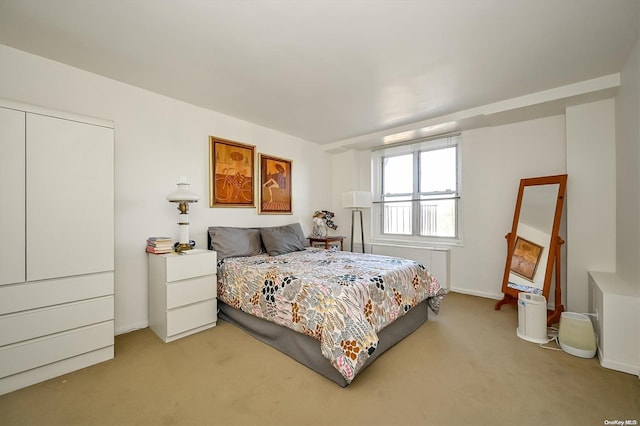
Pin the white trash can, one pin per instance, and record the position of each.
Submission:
(532, 318)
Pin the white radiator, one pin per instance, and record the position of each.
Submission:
(434, 259)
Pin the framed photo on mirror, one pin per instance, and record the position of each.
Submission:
(525, 259)
(275, 185)
(231, 173)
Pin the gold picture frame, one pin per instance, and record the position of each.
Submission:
(231, 173)
(525, 259)
(275, 185)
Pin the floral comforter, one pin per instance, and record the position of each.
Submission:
(340, 298)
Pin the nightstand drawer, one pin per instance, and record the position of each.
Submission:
(182, 267)
(192, 316)
(180, 293)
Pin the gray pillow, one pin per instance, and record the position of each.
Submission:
(283, 239)
(234, 242)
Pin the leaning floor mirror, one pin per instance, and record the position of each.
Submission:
(534, 243)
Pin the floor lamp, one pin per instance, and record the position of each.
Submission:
(357, 200)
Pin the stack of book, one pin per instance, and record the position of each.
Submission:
(159, 245)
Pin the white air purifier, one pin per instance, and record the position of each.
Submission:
(532, 318)
(576, 335)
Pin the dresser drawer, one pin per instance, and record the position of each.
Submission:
(182, 267)
(45, 350)
(180, 293)
(192, 316)
(41, 322)
(38, 294)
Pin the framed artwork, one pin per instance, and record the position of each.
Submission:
(231, 173)
(275, 185)
(525, 259)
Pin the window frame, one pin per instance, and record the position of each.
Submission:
(415, 148)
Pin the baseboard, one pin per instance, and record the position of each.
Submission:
(618, 366)
(486, 295)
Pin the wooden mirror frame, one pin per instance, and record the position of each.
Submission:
(555, 243)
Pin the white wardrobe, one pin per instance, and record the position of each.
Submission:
(56, 243)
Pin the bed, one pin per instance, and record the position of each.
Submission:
(333, 311)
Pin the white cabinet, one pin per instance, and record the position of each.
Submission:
(70, 180)
(57, 251)
(12, 190)
(615, 304)
(182, 293)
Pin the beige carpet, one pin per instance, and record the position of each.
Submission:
(463, 367)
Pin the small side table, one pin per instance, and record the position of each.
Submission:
(182, 293)
(327, 241)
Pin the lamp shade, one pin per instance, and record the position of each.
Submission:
(357, 199)
(183, 194)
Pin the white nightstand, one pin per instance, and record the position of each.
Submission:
(182, 293)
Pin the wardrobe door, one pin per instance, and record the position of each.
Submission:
(12, 222)
(70, 210)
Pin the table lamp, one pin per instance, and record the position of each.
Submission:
(183, 196)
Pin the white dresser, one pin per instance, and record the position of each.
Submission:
(57, 250)
(182, 293)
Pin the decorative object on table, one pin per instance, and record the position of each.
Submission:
(231, 173)
(275, 185)
(159, 245)
(192, 245)
(183, 196)
(357, 200)
(322, 222)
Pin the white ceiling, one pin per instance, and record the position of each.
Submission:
(333, 71)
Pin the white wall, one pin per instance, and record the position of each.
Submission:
(159, 139)
(628, 170)
(494, 160)
(628, 177)
(591, 197)
(351, 171)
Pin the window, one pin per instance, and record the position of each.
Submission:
(417, 191)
